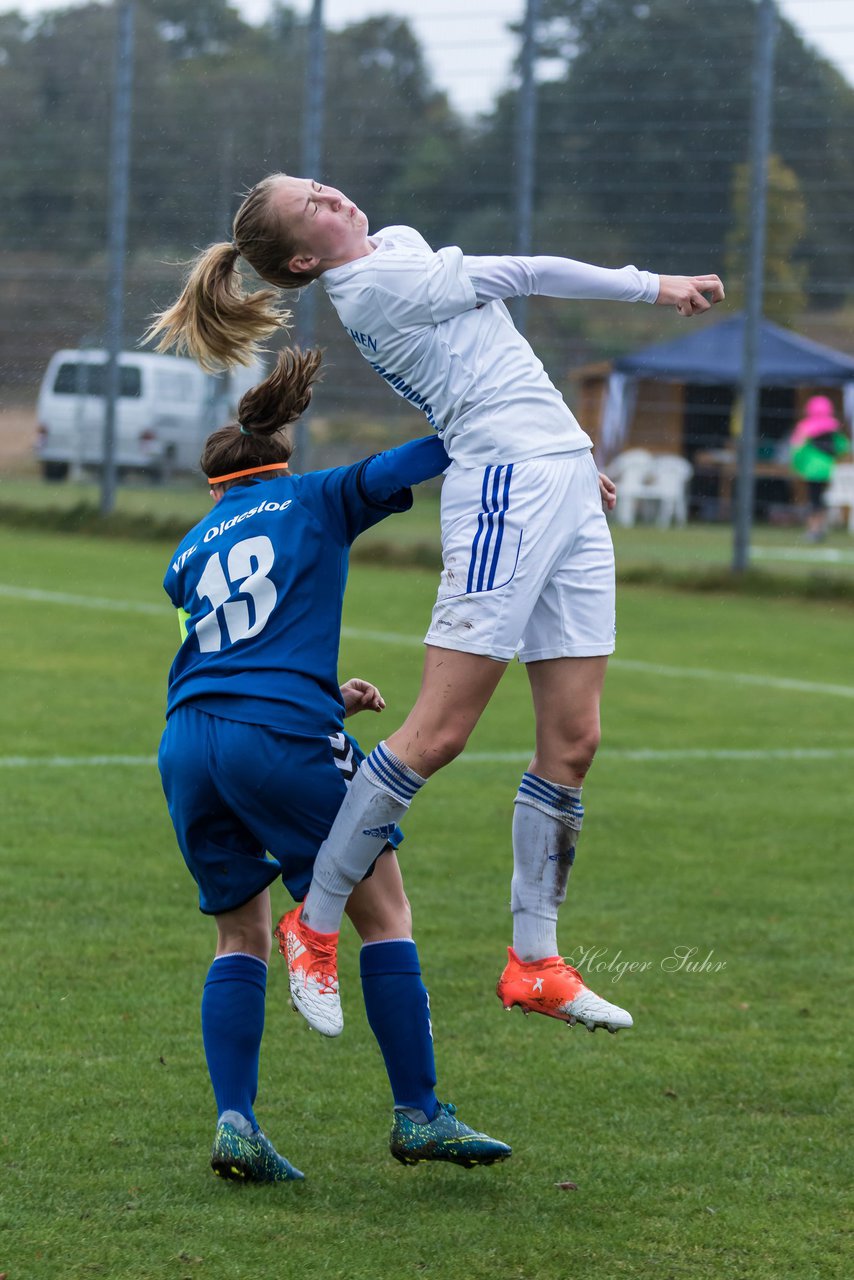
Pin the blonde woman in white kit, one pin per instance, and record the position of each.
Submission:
(527, 554)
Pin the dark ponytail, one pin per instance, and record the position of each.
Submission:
(258, 437)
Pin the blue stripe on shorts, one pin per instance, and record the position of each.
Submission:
(495, 502)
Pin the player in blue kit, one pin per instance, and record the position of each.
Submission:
(528, 560)
(255, 762)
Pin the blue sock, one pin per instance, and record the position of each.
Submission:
(398, 1009)
(232, 1026)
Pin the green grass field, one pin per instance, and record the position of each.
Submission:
(697, 550)
(706, 1144)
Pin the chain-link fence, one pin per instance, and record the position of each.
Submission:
(631, 145)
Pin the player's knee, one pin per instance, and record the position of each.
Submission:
(394, 915)
(403, 923)
(583, 748)
(429, 751)
(447, 744)
(576, 752)
(389, 917)
(247, 939)
(260, 943)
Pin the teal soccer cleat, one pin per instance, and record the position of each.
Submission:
(443, 1138)
(249, 1159)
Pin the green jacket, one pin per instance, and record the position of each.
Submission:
(812, 462)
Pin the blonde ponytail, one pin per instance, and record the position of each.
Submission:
(214, 320)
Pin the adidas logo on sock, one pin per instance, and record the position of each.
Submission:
(381, 833)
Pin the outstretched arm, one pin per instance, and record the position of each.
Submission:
(515, 277)
(411, 463)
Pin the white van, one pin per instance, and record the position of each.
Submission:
(167, 407)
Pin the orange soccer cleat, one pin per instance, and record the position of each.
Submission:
(312, 960)
(554, 988)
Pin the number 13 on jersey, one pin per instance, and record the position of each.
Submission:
(245, 573)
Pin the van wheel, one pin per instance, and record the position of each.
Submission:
(54, 471)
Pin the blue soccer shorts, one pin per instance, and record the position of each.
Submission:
(250, 803)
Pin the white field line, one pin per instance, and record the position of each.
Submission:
(653, 668)
(102, 603)
(641, 755)
(81, 602)
(809, 555)
(74, 762)
(734, 677)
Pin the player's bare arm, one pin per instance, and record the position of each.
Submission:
(690, 295)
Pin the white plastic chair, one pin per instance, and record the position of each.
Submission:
(647, 478)
(840, 492)
(667, 484)
(629, 471)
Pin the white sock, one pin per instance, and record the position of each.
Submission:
(376, 800)
(237, 1121)
(546, 825)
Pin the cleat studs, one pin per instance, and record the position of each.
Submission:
(572, 1019)
(591, 1026)
(613, 1030)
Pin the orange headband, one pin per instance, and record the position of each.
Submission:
(250, 471)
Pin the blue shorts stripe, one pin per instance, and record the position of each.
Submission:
(505, 504)
(479, 530)
(490, 524)
(489, 535)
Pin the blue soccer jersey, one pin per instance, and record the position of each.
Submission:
(260, 584)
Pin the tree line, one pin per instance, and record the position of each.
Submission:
(642, 132)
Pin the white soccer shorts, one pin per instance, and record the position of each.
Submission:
(528, 562)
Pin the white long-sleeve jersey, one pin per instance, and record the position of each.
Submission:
(435, 327)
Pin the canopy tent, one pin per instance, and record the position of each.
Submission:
(715, 355)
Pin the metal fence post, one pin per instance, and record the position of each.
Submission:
(312, 160)
(760, 146)
(526, 148)
(118, 214)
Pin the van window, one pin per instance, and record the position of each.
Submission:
(174, 384)
(85, 379)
